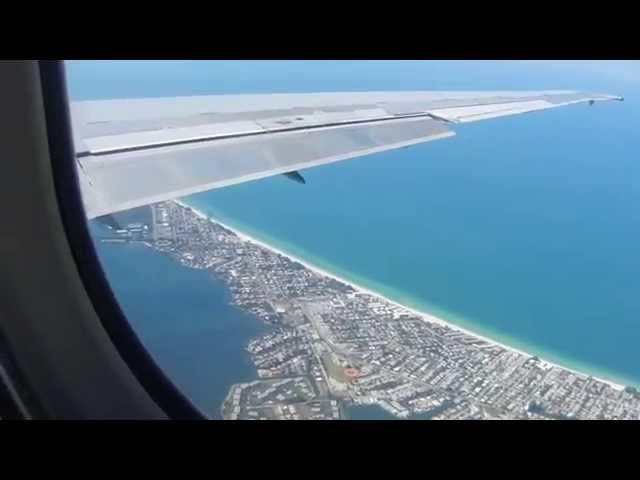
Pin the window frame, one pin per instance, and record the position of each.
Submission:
(62, 155)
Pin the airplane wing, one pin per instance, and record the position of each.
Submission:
(134, 152)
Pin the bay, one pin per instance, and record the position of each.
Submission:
(184, 318)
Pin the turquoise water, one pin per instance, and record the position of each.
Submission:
(524, 229)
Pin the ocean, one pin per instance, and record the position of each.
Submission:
(522, 229)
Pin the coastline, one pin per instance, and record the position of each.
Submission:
(425, 316)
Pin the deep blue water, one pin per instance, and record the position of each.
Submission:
(525, 229)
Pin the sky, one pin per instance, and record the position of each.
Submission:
(162, 78)
(624, 71)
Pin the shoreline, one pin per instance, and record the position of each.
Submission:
(425, 316)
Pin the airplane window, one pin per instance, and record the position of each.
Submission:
(372, 239)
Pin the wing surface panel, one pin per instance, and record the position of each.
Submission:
(137, 151)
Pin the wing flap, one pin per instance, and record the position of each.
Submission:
(119, 180)
(482, 112)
